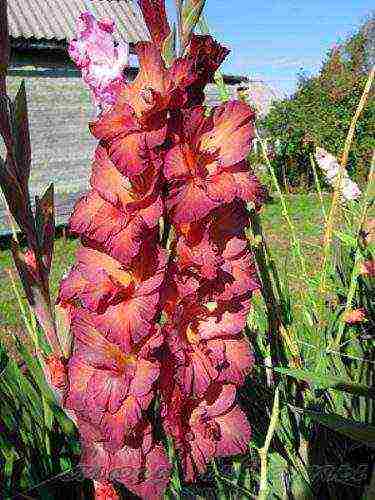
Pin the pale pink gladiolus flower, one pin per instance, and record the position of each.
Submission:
(331, 170)
(367, 268)
(354, 316)
(350, 189)
(100, 60)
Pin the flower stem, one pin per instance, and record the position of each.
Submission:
(318, 187)
(361, 105)
(336, 193)
(263, 452)
(284, 206)
(296, 246)
(180, 35)
(335, 344)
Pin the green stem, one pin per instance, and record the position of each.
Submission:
(296, 246)
(318, 188)
(336, 193)
(335, 343)
(263, 452)
(284, 206)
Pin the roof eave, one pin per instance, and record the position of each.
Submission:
(34, 43)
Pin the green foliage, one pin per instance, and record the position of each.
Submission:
(320, 112)
(39, 448)
(10, 319)
(324, 439)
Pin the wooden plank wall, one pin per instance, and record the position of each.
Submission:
(62, 147)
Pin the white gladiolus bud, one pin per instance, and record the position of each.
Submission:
(331, 168)
(350, 190)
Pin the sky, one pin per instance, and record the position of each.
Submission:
(274, 39)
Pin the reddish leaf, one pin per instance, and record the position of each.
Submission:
(45, 225)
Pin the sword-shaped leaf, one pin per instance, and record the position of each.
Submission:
(4, 44)
(191, 12)
(328, 382)
(45, 225)
(21, 135)
(358, 431)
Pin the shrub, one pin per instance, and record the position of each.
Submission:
(320, 111)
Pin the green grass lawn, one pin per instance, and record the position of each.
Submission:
(305, 211)
(9, 310)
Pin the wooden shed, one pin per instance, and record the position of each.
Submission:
(58, 102)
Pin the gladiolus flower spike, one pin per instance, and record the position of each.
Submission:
(331, 170)
(161, 155)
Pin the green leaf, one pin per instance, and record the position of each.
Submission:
(191, 14)
(169, 47)
(35, 369)
(347, 239)
(65, 464)
(222, 88)
(48, 414)
(328, 382)
(63, 330)
(355, 430)
(21, 134)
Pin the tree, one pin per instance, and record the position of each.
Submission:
(320, 112)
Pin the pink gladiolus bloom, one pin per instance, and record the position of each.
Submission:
(140, 464)
(368, 268)
(101, 62)
(105, 491)
(205, 169)
(354, 316)
(212, 427)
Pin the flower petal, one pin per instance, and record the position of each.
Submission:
(148, 92)
(235, 433)
(225, 321)
(207, 55)
(108, 181)
(129, 321)
(231, 135)
(101, 62)
(155, 17)
(190, 203)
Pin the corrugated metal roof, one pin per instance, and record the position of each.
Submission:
(55, 19)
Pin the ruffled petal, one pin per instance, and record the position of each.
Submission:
(231, 134)
(101, 62)
(235, 433)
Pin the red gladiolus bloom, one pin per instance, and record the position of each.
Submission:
(153, 324)
(205, 169)
(202, 430)
(354, 316)
(367, 268)
(105, 491)
(140, 464)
